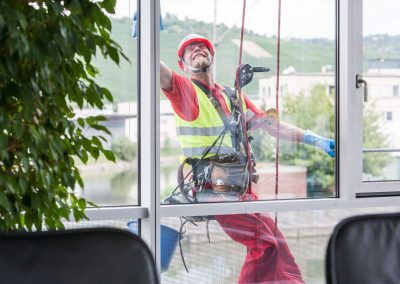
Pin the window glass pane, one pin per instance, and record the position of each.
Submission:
(106, 182)
(381, 67)
(380, 165)
(306, 98)
(223, 260)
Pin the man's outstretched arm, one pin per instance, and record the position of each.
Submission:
(165, 76)
(295, 134)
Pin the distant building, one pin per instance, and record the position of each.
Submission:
(167, 121)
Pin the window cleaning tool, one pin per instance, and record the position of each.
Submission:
(135, 24)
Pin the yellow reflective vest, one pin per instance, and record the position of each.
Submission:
(196, 136)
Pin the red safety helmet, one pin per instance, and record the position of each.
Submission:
(191, 38)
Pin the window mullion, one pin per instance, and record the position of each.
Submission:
(350, 98)
(148, 117)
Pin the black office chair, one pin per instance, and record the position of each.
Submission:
(365, 250)
(93, 255)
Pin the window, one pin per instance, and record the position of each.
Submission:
(303, 171)
(396, 91)
(331, 90)
(307, 203)
(108, 183)
(388, 115)
(382, 70)
(221, 260)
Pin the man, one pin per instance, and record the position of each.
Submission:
(268, 257)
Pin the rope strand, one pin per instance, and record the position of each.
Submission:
(278, 65)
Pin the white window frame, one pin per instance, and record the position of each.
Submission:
(349, 137)
(363, 189)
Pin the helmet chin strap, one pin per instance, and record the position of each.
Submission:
(195, 70)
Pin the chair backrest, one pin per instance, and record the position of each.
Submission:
(365, 249)
(93, 255)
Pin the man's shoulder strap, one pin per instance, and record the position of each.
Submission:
(213, 100)
(230, 92)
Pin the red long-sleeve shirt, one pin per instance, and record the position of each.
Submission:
(183, 98)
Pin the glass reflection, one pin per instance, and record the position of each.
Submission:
(247, 131)
(381, 69)
(105, 182)
(203, 94)
(213, 257)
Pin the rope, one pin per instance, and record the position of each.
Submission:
(241, 33)
(278, 65)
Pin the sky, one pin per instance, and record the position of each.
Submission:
(300, 18)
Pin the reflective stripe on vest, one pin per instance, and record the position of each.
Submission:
(198, 152)
(200, 131)
(196, 136)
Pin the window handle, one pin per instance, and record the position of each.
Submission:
(360, 82)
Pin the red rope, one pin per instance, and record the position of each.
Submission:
(278, 65)
(241, 34)
(247, 146)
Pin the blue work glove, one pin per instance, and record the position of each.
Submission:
(326, 144)
(135, 25)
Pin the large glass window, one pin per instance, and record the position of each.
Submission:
(305, 96)
(216, 248)
(212, 257)
(108, 183)
(381, 67)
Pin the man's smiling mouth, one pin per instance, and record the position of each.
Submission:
(199, 54)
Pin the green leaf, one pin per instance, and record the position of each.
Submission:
(107, 94)
(109, 155)
(82, 204)
(4, 202)
(113, 53)
(96, 141)
(95, 153)
(81, 122)
(101, 128)
(83, 156)
(18, 129)
(2, 25)
(108, 5)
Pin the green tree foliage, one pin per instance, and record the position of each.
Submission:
(373, 137)
(314, 111)
(46, 53)
(124, 149)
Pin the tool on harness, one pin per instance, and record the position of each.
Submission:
(245, 73)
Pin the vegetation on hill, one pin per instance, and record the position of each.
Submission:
(305, 55)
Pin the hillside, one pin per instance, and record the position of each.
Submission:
(305, 55)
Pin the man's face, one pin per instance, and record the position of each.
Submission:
(197, 55)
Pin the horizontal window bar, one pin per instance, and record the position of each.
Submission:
(380, 150)
(274, 206)
(379, 186)
(377, 194)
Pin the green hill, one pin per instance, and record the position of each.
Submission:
(305, 55)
